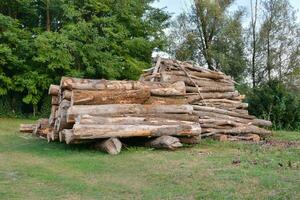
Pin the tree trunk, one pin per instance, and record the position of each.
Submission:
(89, 97)
(48, 20)
(119, 109)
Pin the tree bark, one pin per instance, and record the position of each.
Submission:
(111, 146)
(119, 109)
(165, 142)
(90, 97)
(53, 90)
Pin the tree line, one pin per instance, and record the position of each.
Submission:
(42, 40)
(263, 56)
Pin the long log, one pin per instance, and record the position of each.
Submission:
(119, 109)
(202, 82)
(214, 95)
(247, 129)
(111, 146)
(87, 119)
(175, 100)
(222, 111)
(159, 89)
(123, 131)
(191, 89)
(165, 142)
(90, 97)
(53, 90)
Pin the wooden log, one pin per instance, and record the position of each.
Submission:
(202, 82)
(55, 100)
(53, 90)
(190, 140)
(214, 95)
(222, 111)
(261, 122)
(191, 89)
(165, 142)
(156, 88)
(156, 100)
(41, 124)
(247, 129)
(61, 122)
(90, 97)
(67, 94)
(201, 74)
(119, 109)
(247, 137)
(88, 119)
(81, 132)
(53, 114)
(111, 146)
(27, 128)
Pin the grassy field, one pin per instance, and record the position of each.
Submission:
(30, 168)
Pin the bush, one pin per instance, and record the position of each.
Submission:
(273, 101)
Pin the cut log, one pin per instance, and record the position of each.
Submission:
(90, 97)
(53, 90)
(119, 109)
(111, 146)
(214, 95)
(27, 128)
(191, 89)
(87, 119)
(247, 137)
(52, 114)
(201, 82)
(81, 132)
(61, 121)
(165, 142)
(55, 100)
(166, 100)
(159, 89)
(67, 94)
(41, 124)
(222, 111)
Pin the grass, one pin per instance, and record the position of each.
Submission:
(30, 168)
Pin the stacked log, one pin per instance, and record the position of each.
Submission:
(215, 101)
(103, 111)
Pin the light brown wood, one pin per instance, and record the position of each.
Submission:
(156, 100)
(67, 94)
(192, 98)
(220, 137)
(111, 146)
(88, 119)
(107, 131)
(190, 140)
(165, 142)
(55, 100)
(27, 128)
(90, 97)
(53, 90)
(119, 109)
(191, 89)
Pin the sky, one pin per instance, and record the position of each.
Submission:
(177, 6)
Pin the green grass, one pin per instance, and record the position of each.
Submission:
(30, 168)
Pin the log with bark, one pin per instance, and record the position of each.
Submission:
(119, 109)
(165, 142)
(27, 128)
(111, 146)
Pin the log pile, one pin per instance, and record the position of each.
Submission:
(212, 94)
(103, 111)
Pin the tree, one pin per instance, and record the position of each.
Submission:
(211, 36)
(279, 39)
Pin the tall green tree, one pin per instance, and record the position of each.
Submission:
(211, 35)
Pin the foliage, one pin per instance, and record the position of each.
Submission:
(42, 40)
(210, 35)
(273, 101)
